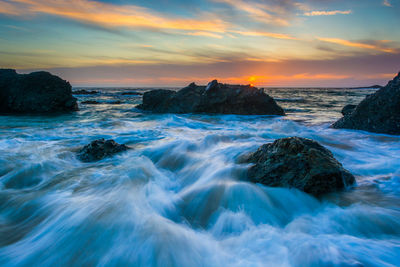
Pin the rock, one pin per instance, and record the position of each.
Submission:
(84, 92)
(90, 102)
(300, 163)
(215, 98)
(131, 93)
(116, 102)
(348, 109)
(37, 92)
(100, 149)
(379, 112)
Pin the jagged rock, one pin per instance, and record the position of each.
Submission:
(100, 149)
(131, 93)
(84, 92)
(37, 92)
(378, 112)
(90, 102)
(300, 163)
(348, 109)
(215, 98)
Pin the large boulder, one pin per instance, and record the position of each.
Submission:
(100, 149)
(213, 98)
(379, 112)
(300, 163)
(37, 92)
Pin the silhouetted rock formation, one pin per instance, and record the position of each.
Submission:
(90, 102)
(300, 163)
(131, 93)
(100, 149)
(379, 112)
(213, 98)
(84, 92)
(346, 110)
(37, 92)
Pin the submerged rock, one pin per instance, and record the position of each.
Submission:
(37, 92)
(100, 149)
(84, 92)
(379, 112)
(90, 102)
(300, 163)
(215, 98)
(131, 93)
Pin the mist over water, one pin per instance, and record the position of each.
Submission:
(180, 197)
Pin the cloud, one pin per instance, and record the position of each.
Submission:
(377, 46)
(265, 34)
(387, 3)
(109, 15)
(327, 13)
(272, 12)
(206, 34)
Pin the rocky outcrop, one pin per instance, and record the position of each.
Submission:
(100, 149)
(84, 92)
(90, 102)
(300, 163)
(131, 93)
(348, 109)
(213, 98)
(37, 92)
(379, 112)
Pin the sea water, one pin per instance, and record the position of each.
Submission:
(179, 197)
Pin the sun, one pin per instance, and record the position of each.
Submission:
(252, 80)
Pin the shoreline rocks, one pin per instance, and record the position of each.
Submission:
(37, 92)
(84, 92)
(216, 98)
(300, 163)
(378, 112)
(100, 149)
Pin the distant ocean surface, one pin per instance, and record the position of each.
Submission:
(179, 197)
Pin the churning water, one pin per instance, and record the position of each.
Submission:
(179, 197)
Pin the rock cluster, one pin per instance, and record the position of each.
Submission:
(214, 98)
(37, 92)
(300, 163)
(100, 149)
(84, 92)
(379, 112)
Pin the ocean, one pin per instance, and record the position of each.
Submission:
(180, 197)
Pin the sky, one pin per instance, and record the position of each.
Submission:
(285, 43)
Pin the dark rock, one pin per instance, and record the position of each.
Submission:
(300, 163)
(84, 92)
(116, 102)
(348, 109)
(215, 98)
(37, 92)
(90, 102)
(379, 112)
(132, 93)
(100, 149)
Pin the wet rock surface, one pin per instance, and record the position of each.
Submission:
(300, 163)
(215, 98)
(379, 112)
(37, 92)
(84, 92)
(100, 149)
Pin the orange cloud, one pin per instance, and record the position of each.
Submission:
(357, 44)
(266, 34)
(108, 15)
(328, 13)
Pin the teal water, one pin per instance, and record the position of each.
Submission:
(179, 198)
